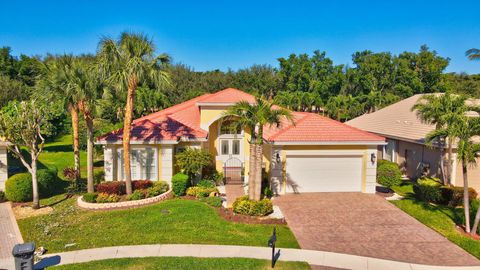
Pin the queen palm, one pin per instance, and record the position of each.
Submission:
(128, 63)
(254, 117)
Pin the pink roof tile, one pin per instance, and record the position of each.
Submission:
(183, 121)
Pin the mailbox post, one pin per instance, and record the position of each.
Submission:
(271, 243)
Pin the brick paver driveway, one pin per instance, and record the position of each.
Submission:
(366, 225)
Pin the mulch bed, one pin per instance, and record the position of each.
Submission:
(461, 229)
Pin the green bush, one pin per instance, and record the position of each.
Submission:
(201, 192)
(388, 174)
(107, 198)
(179, 184)
(2, 196)
(453, 196)
(428, 189)
(19, 186)
(158, 188)
(213, 201)
(90, 197)
(98, 176)
(245, 206)
(136, 195)
(206, 183)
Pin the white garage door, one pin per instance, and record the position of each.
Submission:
(324, 173)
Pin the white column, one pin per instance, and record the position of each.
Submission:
(371, 170)
(3, 167)
(276, 170)
(167, 163)
(109, 162)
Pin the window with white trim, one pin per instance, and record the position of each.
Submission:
(389, 150)
(143, 163)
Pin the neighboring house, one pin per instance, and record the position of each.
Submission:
(317, 154)
(3, 164)
(405, 134)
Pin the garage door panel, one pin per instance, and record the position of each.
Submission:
(324, 173)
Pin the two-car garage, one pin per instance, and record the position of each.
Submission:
(323, 173)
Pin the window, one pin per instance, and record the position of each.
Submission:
(229, 127)
(236, 147)
(389, 151)
(143, 163)
(224, 147)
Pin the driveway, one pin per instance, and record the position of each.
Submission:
(366, 225)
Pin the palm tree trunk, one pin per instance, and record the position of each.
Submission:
(442, 166)
(36, 197)
(251, 171)
(90, 139)
(466, 203)
(475, 223)
(132, 85)
(258, 171)
(76, 141)
(450, 161)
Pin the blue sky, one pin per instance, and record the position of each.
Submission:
(236, 34)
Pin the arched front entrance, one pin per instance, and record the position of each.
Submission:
(233, 170)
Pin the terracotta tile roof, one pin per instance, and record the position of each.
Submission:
(183, 121)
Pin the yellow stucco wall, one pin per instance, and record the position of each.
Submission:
(210, 114)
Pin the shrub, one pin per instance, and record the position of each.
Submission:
(453, 196)
(2, 196)
(209, 172)
(141, 184)
(98, 176)
(428, 189)
(111, 187)
(158, 188)
(267, 192)
(201, 192)
(213, 201)
(137, 195)
(388, 174)
(245, 206)
(107, 198)
(19, 186)
(70, 173)
(179, 184)
(206, 183)
(90, 197)
(192, 160)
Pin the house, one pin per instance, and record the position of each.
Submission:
(3, 164)
(316, 154)
(405, 134)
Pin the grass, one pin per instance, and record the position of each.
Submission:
(440, 218)
(171, 222)
(187, 263)
(404, 189)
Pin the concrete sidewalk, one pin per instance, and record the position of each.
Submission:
(9, 232)
(312, 257)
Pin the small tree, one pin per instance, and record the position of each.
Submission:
(22, 124)
(192, 160)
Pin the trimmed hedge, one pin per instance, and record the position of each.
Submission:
(119, 187)
(453, 196)
(90, 197)
(201, 192)
(18, 188)
(107, 198)
(245, 206)
(179, 184)
(428, 189)
(388, 174)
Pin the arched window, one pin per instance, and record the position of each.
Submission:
(229, 127)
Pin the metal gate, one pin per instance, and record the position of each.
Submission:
(232, 171)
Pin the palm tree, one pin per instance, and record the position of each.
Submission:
(473, 54)
(127, 63)
(443, 111)
(60, 78)
(254, 117)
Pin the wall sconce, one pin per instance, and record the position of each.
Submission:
(373, 157)
(277, 157)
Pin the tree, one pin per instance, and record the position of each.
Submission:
(11, 89)
(22, 125)
(192, 160)
(473, 54)
(255, 117)
(443, 111)
(127, 63)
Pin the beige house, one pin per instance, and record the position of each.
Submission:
(405, 135)
(3, 164)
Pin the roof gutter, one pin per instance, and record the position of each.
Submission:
(330, 143)
(104, 142)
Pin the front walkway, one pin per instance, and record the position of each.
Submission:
(233, 191)
(9, 232)
(312, 257)
(366, 225)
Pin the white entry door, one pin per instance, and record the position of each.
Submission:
(324, 173)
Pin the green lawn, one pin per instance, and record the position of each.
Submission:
(442, 219)
(174, 221)
(187, 263)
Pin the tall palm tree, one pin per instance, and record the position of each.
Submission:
(443, 111)
(127, 63)
(60, 79)
(255, 117)
(473, 54)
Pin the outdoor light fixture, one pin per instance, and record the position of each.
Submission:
(278, 158)
(373, 157)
